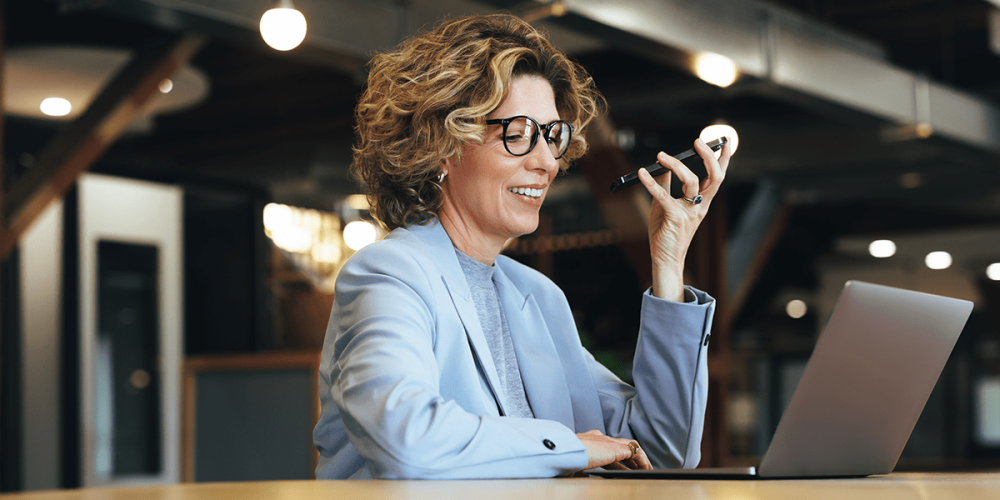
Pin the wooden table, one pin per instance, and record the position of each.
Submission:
(903, 486)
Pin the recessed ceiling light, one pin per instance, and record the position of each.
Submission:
(796, 308)
(77, 74)
(938, 260)
(166, 85)
(55, 106)
(993, 271)
(882, 248)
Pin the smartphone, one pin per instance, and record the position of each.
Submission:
(690, 159)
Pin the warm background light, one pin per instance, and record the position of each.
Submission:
(716, 69)
(882, 248)
(938, 260)
(357, 202)
(713, 132)
(358, 234)
(277, 216)
(166, 85)
(284, 27)
(796, 308)
(55, 106)
(993, 271)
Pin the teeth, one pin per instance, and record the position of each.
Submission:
(534, 193)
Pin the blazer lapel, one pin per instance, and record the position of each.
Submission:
(442, 251)
(541, 369)
(477, 339)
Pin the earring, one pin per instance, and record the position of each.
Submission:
(441, 177)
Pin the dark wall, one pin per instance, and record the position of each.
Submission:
(226, 305)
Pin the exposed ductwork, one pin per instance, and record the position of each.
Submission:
(778, 46)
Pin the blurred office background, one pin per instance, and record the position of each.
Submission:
(174, 224)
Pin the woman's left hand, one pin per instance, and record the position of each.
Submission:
(673, 222)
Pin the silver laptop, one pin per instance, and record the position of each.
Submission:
(865, 385)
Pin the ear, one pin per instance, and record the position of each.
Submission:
(449, 163)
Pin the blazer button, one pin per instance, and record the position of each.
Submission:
(549, 444)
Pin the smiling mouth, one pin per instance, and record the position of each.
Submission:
(529, 192)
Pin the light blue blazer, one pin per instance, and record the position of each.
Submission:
(409, 389)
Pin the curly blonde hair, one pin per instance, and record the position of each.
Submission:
(432, 95)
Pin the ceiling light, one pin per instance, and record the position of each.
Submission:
(796, 308)
(938, 260)
(882, 248)
(716, 69)
(358, 234)
(77, 74)
(55, 106)
(166, 85)
(993, 271)
(283, 27)
(924, 130)
(713, 132)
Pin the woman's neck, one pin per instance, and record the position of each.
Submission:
(469, 241)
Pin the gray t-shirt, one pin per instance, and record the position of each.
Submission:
(486, 298)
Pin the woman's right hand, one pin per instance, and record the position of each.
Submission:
(613, 453)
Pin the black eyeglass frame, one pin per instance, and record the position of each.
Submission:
(539, 130)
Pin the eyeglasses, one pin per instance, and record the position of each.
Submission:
(520, 133)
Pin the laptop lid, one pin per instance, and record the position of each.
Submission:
(863, 389)
(866, 383)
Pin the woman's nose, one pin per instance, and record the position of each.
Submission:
(543, 159)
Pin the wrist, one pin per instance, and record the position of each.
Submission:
(668, 286)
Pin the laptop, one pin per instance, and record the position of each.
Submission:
(864, 387)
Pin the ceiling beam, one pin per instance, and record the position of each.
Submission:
(75, 148)
(751, 245)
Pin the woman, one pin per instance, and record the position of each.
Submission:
(444, 359)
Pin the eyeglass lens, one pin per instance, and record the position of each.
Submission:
(522, 131)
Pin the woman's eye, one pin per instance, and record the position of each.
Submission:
(513, 138)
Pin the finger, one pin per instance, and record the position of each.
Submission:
(637, 458)
(633, 454)
(641, 460)
(715, 168)
(712, 166)
(615, 466)
(682, 172)
(710, 185)
(727, 154)
(660, 193)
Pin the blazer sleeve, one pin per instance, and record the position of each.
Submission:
(665, 411)
(385, 379)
